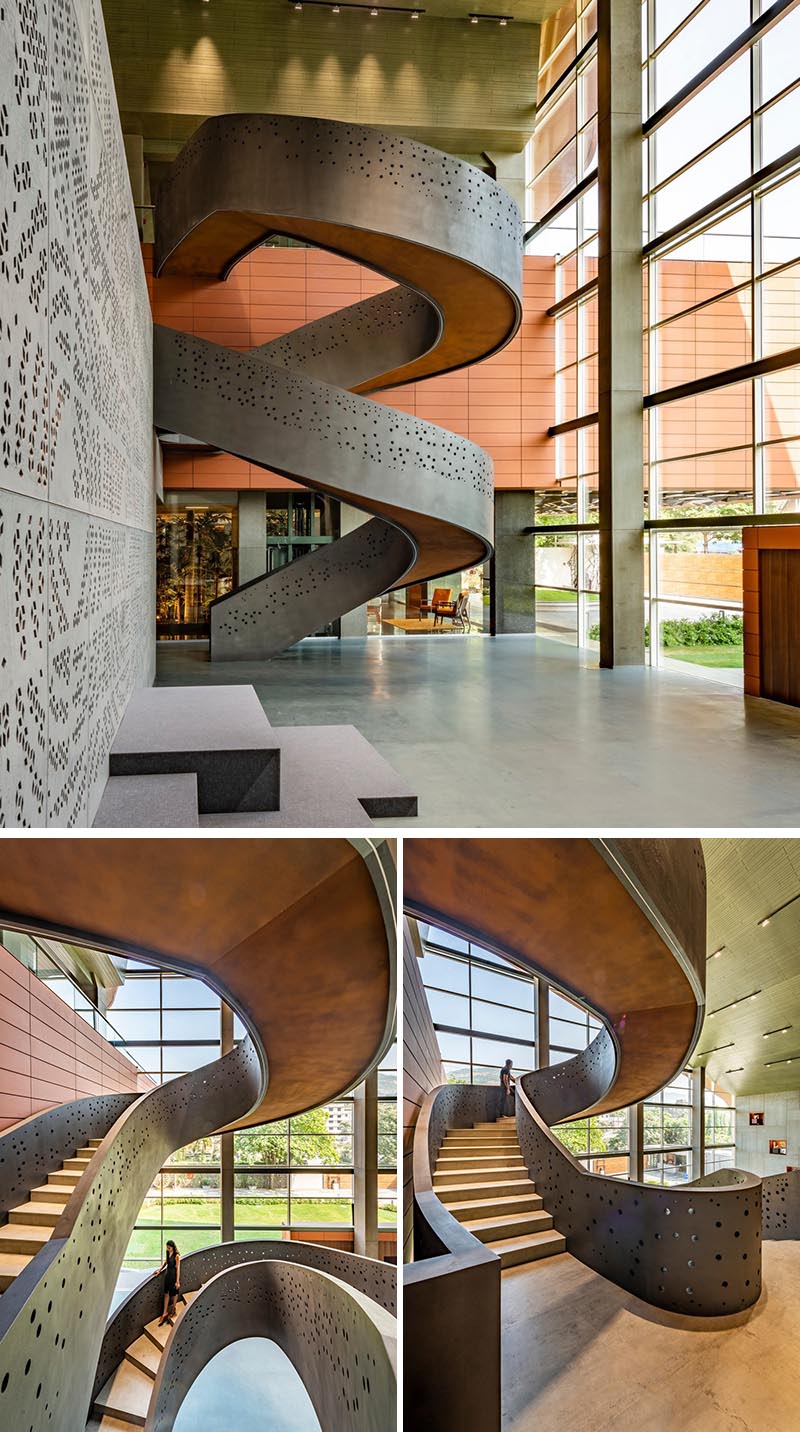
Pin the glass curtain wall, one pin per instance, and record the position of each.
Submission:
(561, 207)
(721, 235)
(483, 1009)
(668, 1128)
(720, 1127)
(294, 1174)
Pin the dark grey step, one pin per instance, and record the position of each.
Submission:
(142, 802)
(221, 733)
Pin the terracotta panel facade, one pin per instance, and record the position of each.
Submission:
(48, 1054)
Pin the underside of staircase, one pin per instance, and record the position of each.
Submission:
(124, 1401)
(482, 1180)
(30, 1224)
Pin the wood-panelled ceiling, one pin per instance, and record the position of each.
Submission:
(747, 879)
(290, 932)
(461, 87)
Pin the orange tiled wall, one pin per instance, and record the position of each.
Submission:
(505, 403)
(48, 1055)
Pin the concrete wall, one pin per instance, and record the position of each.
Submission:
(48, 1054)
(781, 1121)
(76, 443)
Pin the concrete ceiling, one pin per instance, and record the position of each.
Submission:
(748, 879)
(461, 87)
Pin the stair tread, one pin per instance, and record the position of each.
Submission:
(32, 1233)
(527, 1240)
(509, 1220)
(12, 1264)
(126, 1393)
(54, 1192)
(501, 1204)
(525, 1183)
(145, 1352)
(491, 1169)
(34, 1206)
(107, 1423)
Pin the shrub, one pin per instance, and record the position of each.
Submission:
(721, 629)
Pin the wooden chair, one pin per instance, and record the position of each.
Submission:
(441, 596)
(457, 612)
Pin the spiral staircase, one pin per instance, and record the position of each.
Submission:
(452, 238)
(620, 926)
(274, 931)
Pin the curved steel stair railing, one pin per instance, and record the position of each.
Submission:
(52, 1319)
(137, 1353)
(453, 239)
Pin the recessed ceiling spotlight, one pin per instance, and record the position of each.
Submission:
(298, 6)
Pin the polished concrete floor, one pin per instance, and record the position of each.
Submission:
(579, 1353)
(526, 731)
(250, 1386)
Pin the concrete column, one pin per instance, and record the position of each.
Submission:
(365, 1160)
(542, 1024)
(252, 535)
(619, 51)
(226, 1141)
(636, 1135)
(514, 609)
(509, 171)
(698, 1122)
(352, 623)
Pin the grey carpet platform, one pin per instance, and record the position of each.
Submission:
(188, 744)
(219, 733)
(330, 776)
(141, 802)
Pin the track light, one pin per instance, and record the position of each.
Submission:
(768, 1032)
(415, 14)
(771, 916)
(738, 1070)
(715, 1049)
(503, 21)
(476, 15)
(734, 1003)
(337, 6)
(716, 954)
(770, 1062)
(473, 19)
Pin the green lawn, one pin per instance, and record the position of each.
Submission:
(268, 1214)
(552, 594)
(718, 656)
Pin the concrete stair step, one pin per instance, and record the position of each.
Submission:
(23, 1238)
(494, 1207)
(126, 1395)
(447, 1161)
(477, 1188)
(41, 1215)
(487, 1175)
(508, 1225)
(528, 1247)
(55, 1193)
(145, 1355)
(480, 1141)
(11, 1265)
(158, 1336)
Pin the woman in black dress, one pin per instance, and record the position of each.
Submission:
(171, 1268)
